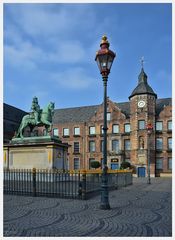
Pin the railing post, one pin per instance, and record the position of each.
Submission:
(34, 181)
(83, 185)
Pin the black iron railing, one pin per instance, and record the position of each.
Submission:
(57, 183)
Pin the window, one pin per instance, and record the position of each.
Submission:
(169, 125)
(76, 163)
(101, 130)
(141, 124)
(65, 131)
(170, 163)
(76, 131)
(101, 146)
(90, 161)
(115, 128)
(159, 143)
(159, 126)
(91, 130)
(115, 145)
(127, 127)
(91, 146)
(159, 163)
(127, 144)
(108, 116)
(55, 132)
(76, 147)
(170, 143)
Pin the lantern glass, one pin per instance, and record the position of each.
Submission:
(110, 61)
(104, 62)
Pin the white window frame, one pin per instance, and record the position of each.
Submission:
(92, 141)
(127, 124)
(78, 160)
(126, 149)
(67, 134)
(108, 116)
(116, 140)
(55, 129)
(159, 125)
(169, 144)
(140, 122)
(169, 122)
(159, 163)
(114, 128)
(92, 130)
(157, 143)
(76, 131)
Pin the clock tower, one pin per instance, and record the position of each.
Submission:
(142, 112)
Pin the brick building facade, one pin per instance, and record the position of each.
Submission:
(82, 128)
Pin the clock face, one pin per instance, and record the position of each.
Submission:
(141, 104)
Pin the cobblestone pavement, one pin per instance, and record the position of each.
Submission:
(137, 210)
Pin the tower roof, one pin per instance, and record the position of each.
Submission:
(143, 86)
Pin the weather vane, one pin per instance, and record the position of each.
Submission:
(142, 61)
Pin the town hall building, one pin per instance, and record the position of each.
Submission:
(127, 136)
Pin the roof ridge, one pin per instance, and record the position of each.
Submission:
(78, 107)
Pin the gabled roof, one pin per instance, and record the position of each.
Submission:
(161, 103)
(125, 107)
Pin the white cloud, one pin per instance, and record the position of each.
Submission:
(75, 78)
(52, 32)
(68, 52)
(30, 56)
(52, 19)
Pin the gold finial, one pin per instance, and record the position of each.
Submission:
(104, 40)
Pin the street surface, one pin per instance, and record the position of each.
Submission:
(136, 210)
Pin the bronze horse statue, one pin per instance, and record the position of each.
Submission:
(45, 119)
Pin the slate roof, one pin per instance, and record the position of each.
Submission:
(12, 113)
(77, 114)
(125, 108)
(143, 86)
(160, 103)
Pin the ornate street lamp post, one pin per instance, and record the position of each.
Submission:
(104, 58)
(149, 128)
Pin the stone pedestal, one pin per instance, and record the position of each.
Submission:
(36, 152)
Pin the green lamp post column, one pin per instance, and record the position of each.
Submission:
(104, 58)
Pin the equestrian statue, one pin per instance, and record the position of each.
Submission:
(38, 117)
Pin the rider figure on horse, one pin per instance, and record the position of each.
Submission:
(36, 109)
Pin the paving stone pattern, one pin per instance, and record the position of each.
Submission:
(136, 210)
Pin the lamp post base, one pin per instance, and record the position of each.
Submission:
(105, 206)
(149, 181)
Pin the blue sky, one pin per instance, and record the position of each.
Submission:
(49, 51)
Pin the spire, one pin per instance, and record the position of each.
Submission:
(143, 86)
(142, 77)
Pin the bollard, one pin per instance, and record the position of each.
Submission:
(34, 181)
